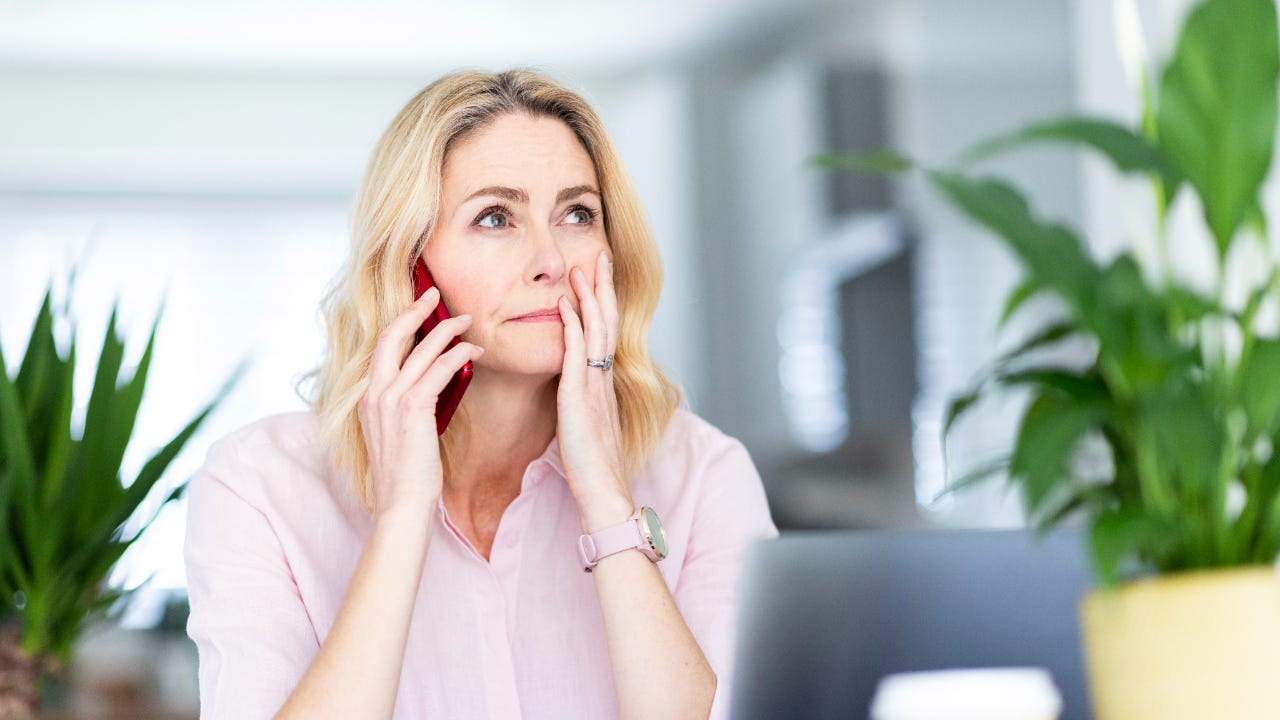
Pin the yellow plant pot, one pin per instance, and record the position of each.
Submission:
(1194, 645)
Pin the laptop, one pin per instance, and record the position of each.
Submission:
(825, 615)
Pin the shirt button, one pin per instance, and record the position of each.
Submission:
(513, 540)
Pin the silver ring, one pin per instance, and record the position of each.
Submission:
(605, 364)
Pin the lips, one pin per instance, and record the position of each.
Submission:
(546, 315)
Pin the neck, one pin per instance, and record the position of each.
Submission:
(511, 419)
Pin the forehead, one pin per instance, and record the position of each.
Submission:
(516, 149)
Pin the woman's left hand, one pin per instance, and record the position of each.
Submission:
(588, 428)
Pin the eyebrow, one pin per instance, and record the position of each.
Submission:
(517, 195)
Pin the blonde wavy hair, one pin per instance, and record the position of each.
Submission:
(395, 213)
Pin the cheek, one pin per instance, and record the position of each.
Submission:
(459, 280)
(460, 293)
(588, 258)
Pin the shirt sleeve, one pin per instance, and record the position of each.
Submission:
(732, 512)
(254, 636)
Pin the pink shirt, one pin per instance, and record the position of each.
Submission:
(273, 540)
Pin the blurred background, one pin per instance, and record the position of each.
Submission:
(205, 156)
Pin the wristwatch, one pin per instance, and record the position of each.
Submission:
(642, 531)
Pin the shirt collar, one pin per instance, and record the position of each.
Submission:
(548, 463)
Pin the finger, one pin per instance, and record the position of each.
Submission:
(426, 352)
(606, 295)
(388, 354)
(575, 353)
(428, 387)
(593, 327)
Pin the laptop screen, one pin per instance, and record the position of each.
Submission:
(825, 615)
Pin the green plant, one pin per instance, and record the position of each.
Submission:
(1182, 389)
(63, 505)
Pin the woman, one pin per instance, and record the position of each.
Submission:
(346, 563)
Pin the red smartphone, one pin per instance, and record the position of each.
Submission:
(452, 393)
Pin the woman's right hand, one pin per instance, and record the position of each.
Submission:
(398, 411)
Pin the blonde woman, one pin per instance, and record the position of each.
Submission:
(349, 563)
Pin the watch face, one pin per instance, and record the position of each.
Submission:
(657, 536)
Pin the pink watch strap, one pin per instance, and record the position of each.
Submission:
(603, 543)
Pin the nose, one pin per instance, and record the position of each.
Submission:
(546, 261)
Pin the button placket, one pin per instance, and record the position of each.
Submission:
(503, 693)
(507, 558)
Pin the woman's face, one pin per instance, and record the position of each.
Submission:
(520, 207)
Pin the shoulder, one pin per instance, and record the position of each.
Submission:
(691, 440)
(693, 455)
(275, 458)
(287, 437)
(707, 489)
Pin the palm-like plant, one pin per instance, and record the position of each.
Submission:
(1181, 388)
(63, 505)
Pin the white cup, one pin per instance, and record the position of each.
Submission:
(977, 694)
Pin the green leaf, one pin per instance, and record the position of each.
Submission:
(77, 597)
(125, 404)
(1255, 218)
(1137, 347)
(1052, 254)
(1269, 534)
(959, 405)
(74, 622)
(1216, 117)
(1180, 424)
(1252, 539)
(1189, 305)
(1047, 336)
(981, 473)
(878, 161)
(1186, 422)
(108, 520)
(39, 367)
(1081, 388)
(155, 467)
(1047, 440)
(1125, 485)
(1260, 386)
(962, 403)
(1017, 298)
(97, 475)
(1076, 498)
(1129, 151)
(14, 571)
(58, 455)
(1120, 534)
(18, 492)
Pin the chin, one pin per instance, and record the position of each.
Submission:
(547, 363)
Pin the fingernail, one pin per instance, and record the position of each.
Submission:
(604, 259)
(430, 293)
(464, 318)
(580, 275)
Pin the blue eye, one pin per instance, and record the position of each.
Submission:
(498, 214)
(585, 214)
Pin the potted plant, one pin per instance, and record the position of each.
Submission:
(63, 505)
(1180, 386)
